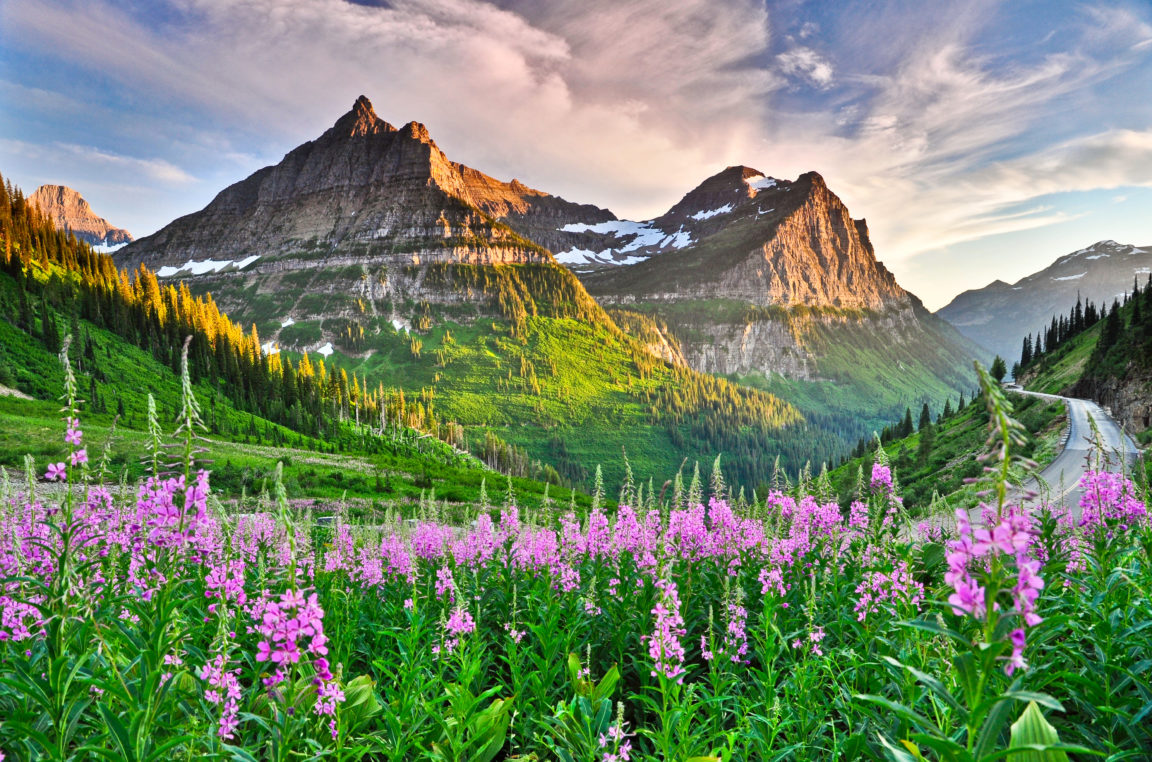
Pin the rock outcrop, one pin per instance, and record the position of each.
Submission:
(70, 211)
(371, 227)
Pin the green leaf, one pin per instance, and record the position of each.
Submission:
(894, 752)
(118, 732)
(932, 683)
(1040, 698)
(1033, 732)
(606, 685)
(899, 709)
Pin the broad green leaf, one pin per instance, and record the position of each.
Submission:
(1033, 731)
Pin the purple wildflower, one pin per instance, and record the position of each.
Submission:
(664, 646)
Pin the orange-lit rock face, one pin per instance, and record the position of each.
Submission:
(69, 210)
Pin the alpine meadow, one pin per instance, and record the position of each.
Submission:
(319, 443)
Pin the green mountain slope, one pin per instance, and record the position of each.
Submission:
(529, 358)
(934, 461)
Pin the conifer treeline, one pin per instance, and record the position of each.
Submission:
(905, 428)
(1062, 330)
(1125, 337)
(52, 268)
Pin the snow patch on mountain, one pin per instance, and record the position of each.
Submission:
(760, 182)
(204, 267)
(1071, 277)
(712, 212)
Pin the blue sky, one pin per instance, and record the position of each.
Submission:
(980, 139)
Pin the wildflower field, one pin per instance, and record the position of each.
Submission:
(144, 622)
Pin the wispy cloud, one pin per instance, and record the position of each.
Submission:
(98, 161)
(806, 63)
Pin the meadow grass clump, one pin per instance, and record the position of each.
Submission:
(145, 623)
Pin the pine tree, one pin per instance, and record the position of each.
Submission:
(998, 369)
(925, 418)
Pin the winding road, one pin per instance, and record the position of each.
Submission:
(1114, 450)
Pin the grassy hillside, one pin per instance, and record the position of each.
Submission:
(935, 461)
(126, 339)
(116, 378)
(523, 354)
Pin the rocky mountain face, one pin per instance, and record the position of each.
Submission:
(359, 216)
(1000, 315)
(758, 277)
(368, 189)
(770, 243)
(69, 209)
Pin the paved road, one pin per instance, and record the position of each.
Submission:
(1113, 449)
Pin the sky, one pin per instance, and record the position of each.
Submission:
(980, 139)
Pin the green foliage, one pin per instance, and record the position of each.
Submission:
(934, 462)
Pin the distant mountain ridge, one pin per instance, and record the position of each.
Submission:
(763, 241)
(999, 315)
(70, 211)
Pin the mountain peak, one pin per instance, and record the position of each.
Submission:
(361, 120)
(417, 131)
(69, 210)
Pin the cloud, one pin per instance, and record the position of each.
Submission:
(806, 63)
(630, 99)
(98, 161)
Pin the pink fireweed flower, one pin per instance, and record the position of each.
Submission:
(73, 435)
(888, 591)
(459, 624)
(664, 646)
(291, 629)
(616, 743)
(735, 636)
(1016, 660)
(80, 456)
(56, 471)
(224, 690)
(445, 584)
(815, 638)
(1009, 538)
(881, 479)
(1110, 500)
